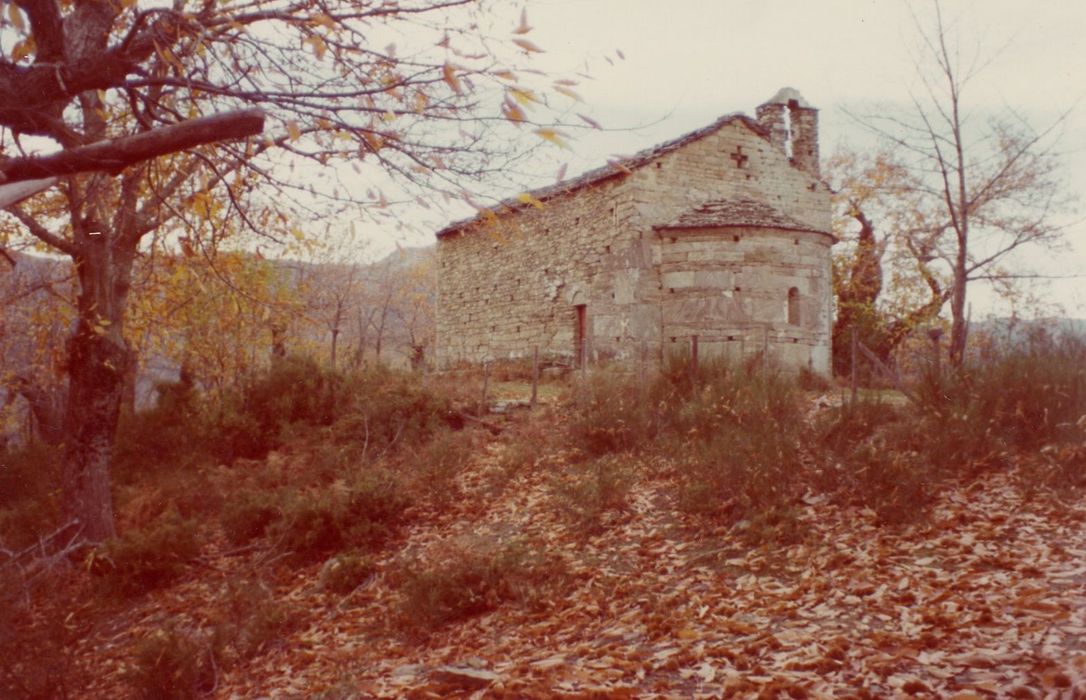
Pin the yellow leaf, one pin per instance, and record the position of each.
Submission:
(16, 17)
(512, 112)
(505, 74)
(527, 198)
(319, 47)
(523, 96)
(294, 131)
(553, 136)
(523, 27)
(23, 49)
(567, 92)
(527, 45)
(324, 21)
(449, 72)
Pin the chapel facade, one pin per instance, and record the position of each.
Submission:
(723, 234)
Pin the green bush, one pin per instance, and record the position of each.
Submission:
(141, 560)
(172, 664)
(471, 576)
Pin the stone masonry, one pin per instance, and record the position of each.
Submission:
(723, 234)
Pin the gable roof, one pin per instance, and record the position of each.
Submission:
(737, 211)
(616, 168)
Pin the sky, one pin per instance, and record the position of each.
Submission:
(686, 62)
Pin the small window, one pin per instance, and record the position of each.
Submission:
(793, 306)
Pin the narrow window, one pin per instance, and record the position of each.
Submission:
(793, 306)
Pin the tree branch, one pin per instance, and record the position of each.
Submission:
(116, 154)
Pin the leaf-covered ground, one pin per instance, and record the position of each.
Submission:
(987, 598)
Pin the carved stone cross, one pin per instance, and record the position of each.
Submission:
(739, 157)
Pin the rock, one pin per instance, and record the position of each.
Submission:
(469, 678)
(407, 670)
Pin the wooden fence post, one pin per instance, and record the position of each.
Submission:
(535, 375)
(641, 364)
(765, 350)
(693, 368)
(935, 334)
(486, 383)
(855, 362)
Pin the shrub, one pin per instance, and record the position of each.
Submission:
(391, 409)
(738, 435)
(1020, 397)
(897, 483)
(311, 525)
(887, 458)
(141, 560)
(248, 514)
(250, 622)
(587, 492)
(29, 493)
(740, 470)
(376, 503)
(435, 464)
(472, 576)
(172, 664)
(346, 571)
(37, 646)
(161, 438)
(611, 414)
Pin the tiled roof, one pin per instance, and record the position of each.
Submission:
(612, 169)
(736, 212)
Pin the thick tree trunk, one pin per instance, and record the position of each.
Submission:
(98, 359)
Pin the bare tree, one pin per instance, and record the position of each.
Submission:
(984, 185)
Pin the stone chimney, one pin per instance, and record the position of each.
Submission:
(793, 127)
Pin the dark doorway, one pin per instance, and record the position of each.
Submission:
(580, 351)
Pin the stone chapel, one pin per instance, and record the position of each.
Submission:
(723, 234)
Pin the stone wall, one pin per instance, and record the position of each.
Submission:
(744, 291)
(513, 282)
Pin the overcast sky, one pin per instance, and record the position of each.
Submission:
(686, 62)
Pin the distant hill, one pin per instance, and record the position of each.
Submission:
(1016, 331)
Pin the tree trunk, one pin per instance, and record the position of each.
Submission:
(98, 359)
(957, 312)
